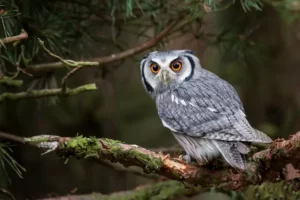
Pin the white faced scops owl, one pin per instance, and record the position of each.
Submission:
(204, 112)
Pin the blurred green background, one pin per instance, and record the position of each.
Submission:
(256, 48)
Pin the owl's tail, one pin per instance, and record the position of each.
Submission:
(249, 134)
(233, 153)
(262, 137)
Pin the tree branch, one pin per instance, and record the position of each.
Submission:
(278, 155)
(46, 93)
(23, 35)
(104, 60)
(132, 155)
(132, 169)
(10, 82)
(267, 165)
(12, 137)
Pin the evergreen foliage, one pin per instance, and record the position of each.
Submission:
(71, 28)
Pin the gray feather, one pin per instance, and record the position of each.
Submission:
(202, 150)
(242, 147)
(231, 154)
(196, 118)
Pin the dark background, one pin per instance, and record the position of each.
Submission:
(258, 55)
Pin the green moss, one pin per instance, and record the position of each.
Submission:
(11, 82)
(113, 150)
(81, 147)
(266, 191)
(151, 163)
(167, 190)
(116, 152)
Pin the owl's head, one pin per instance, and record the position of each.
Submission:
(164, 70)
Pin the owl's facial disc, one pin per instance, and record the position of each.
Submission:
(166, 76)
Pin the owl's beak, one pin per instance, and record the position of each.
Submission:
(165, 76)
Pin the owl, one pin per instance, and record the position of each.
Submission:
(203, 111)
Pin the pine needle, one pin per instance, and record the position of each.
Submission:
(7, 160)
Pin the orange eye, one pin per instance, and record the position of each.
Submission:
(155, 68)
(176, 66)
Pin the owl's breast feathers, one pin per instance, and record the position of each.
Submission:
(207, 107)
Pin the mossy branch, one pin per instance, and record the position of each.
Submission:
(46, 93)
(268, 165)
(10, 82)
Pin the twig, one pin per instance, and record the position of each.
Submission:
(115, 57)
(10, 82)
(64, 79)
(7, 193)
(23, 35)
(12, 137)
(70, 63)
(46, 93)
(130, 52)
(107, 59)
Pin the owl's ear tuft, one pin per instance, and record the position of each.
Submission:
(189, 51)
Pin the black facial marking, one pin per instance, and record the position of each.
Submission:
(193, 67)
(148, 86)
(190, 52)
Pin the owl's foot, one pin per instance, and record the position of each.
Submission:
(184, 159)
(166, 157)
(202, 162)
(187, 158)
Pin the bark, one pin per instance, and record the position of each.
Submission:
(266, 165)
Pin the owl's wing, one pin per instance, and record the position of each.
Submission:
(210, 108)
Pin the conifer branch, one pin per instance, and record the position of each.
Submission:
(102, 60)
(11, 137)
(46, 93)
(266, 165)
(10, 82)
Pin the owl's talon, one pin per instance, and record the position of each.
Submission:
(166, 157)
(184, 159)
(187, 158)
(202, 163)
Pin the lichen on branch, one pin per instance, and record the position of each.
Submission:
(265, 165)
(46, 93)
(10, 82)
